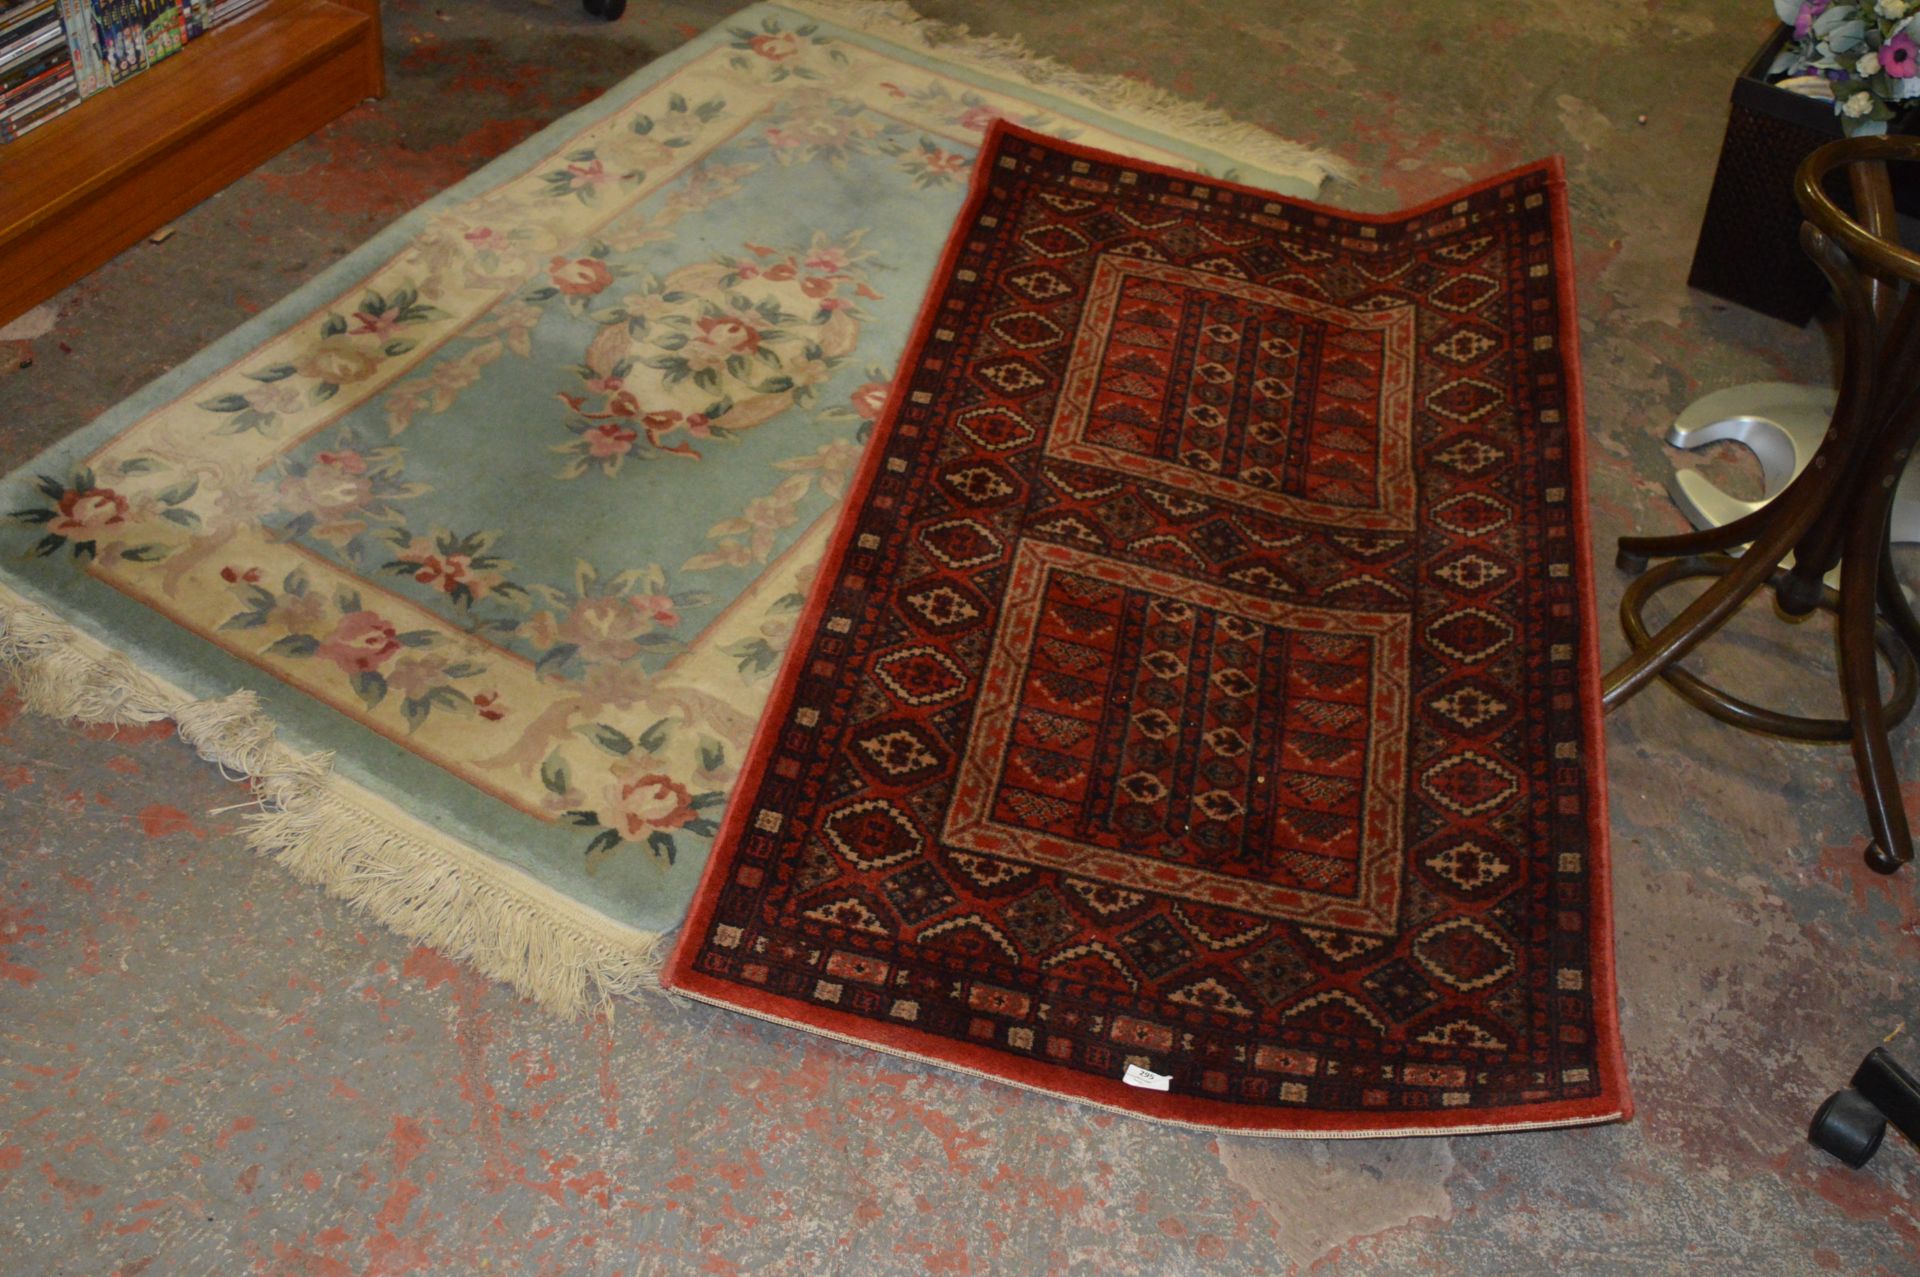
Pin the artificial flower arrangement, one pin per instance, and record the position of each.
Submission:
(1864, 55)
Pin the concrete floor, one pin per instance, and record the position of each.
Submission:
(207, 1068)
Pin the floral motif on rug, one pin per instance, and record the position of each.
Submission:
(515, 510)
(1200, 691)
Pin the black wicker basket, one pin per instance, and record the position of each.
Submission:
(1749, 248)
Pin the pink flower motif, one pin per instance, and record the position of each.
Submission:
(658, 609)
(488, 240)
(1898, 56)
(335, 486)
(360, 642)
(490, 706)
(979, 118)
(604, 628)
(594, 174)
(449, 570)
(85, 515)
(775, 48)
(720, 338)
(381, 325)
(275, 397)
(236, 576)
(581, 277)
(943, 161)
(645, 804)
(827, 261)
(344, 462)
(415, 676)
(870, 400)
(607, 440)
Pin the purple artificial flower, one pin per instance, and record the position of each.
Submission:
(1803, 21)
(1899, 57)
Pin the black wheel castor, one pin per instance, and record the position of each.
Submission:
(1849, 1127)
(608, 9)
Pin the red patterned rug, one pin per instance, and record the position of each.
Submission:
(1198, 714)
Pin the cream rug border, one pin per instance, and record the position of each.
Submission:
(406, 875)
(1133, 101)
(336, 835)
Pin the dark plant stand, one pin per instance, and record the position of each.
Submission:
(1749, 252)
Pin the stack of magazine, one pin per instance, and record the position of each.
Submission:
(53, 53)
(37, 79)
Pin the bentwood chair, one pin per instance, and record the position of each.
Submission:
(1834, 514)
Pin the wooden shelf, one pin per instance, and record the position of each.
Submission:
(78, 190)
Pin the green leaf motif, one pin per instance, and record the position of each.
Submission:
(553, 774)
(415, 710)
(370, 686)
(609, 738)
(557, 655)
(179, 492)
(605, 840)
(661, 843)
(655, 736)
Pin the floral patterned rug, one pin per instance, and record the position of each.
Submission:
(479, 553)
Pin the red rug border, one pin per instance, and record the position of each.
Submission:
(1614, 1103)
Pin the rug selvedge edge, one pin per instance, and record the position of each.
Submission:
(334, 834)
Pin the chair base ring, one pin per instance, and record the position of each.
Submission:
(1732, 709)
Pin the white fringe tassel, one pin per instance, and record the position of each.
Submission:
(1131, 100)
(338, 836)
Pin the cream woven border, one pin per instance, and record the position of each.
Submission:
(340, 836)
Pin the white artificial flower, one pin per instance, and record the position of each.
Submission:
(1858, 105)
(1869, 64)
(1891, 9)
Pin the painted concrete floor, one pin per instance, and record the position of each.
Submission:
(207, 1068)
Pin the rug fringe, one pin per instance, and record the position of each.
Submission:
(1134, 100)
(333, 834)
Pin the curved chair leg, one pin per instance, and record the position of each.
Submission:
(1634, 552)
(1894, 606)
(1705, 614)
(1892, 844)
